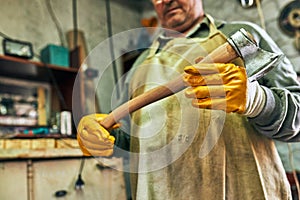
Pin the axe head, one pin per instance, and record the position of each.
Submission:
(257, 61)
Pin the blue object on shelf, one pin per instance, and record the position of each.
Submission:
(55, 55)
(35, 131)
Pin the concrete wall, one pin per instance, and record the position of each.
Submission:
(31, 21)
(231, 10)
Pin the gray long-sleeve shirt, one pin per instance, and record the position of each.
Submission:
(280, 118)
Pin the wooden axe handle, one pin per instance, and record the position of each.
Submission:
(223, 54)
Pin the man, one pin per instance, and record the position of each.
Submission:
(179, 151)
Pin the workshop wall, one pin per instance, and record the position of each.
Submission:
(231, 10)
(31, 21)
(270, 10)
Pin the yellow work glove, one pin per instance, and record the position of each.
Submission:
(94, 139)
(225, 87)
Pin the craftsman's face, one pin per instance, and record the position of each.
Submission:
(178, 15)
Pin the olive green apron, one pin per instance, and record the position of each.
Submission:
(190, 153)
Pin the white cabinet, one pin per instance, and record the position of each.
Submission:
(41, 179)
(13, 181)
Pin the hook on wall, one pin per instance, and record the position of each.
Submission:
(289, 21)
(248, 3)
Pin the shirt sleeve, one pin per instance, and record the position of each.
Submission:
(280, 117)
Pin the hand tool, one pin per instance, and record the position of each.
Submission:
(240, 44)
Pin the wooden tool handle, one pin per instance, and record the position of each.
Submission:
(223, 54)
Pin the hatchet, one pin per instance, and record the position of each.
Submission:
(240, 44)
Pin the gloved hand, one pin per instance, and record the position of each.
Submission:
(94, 139)
(225, 87)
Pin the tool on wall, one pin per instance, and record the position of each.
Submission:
(17, 48)
(248, 3)
(240, 44)
(252, 4)
(289, 21)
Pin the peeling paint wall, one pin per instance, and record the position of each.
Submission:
(231, 10)
(30, 20)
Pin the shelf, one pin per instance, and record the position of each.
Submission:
(48, 136)
(61, 78)
(39, 148)
(40, 64)
(8, 154)
(60, 81)
(26, 69)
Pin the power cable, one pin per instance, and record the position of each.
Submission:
(79, 184)
(56, 22)
(5, 36)
(260, 13)
(111, 46)
(55, 84)
(75, 23)
(294, 172)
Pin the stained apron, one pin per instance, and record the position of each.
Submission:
(187, 153)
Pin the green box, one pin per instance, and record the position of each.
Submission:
(55, 55)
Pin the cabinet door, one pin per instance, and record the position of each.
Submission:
(13, 184)
(52, 176)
